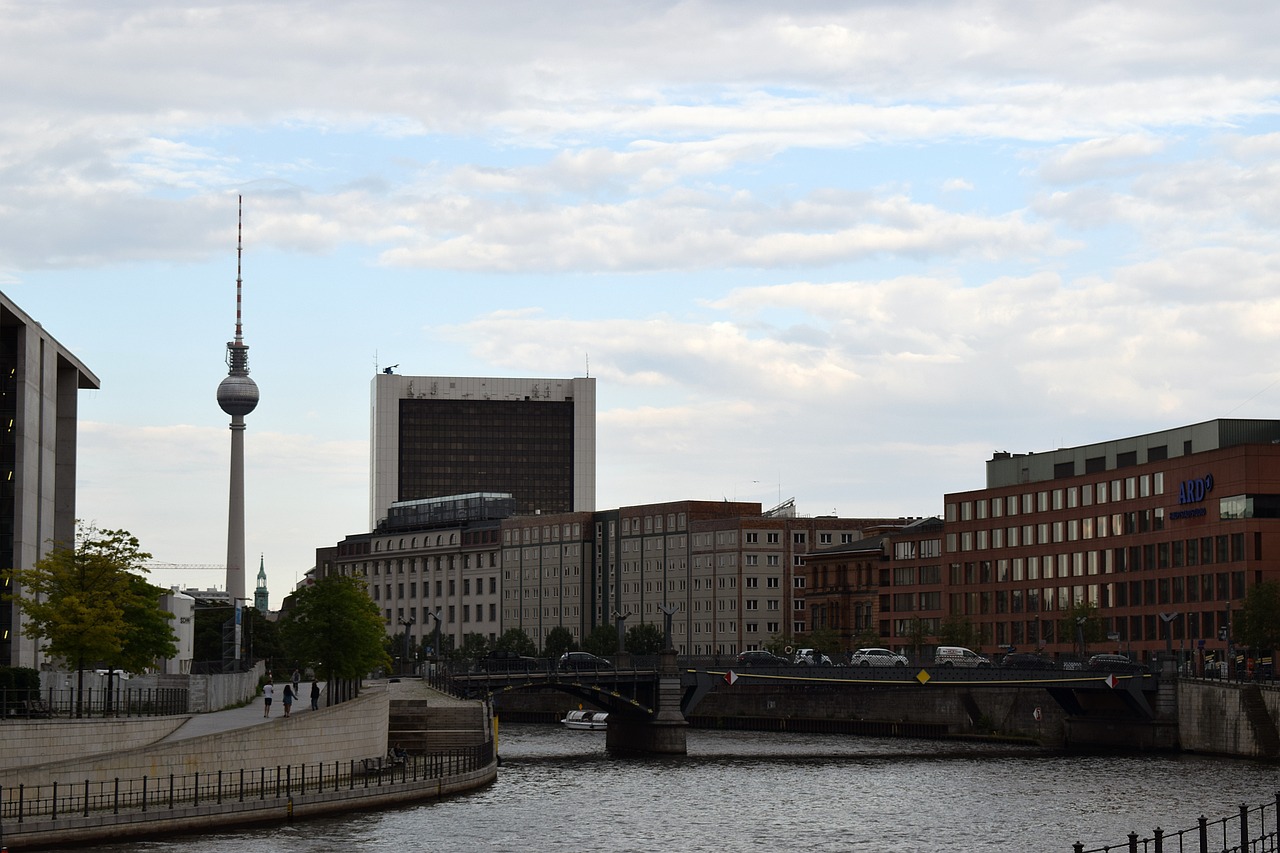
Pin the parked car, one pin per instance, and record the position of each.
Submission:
(759, 657)
(959, 656)
(1114, 663)
(1027, 660)
(877, 657)
(805, 657)
(582, 660)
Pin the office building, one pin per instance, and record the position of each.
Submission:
(1163, 533)
(436, 436)
(39, 388)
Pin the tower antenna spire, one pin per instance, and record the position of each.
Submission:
(239, 253)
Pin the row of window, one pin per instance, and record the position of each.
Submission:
(1048, 500)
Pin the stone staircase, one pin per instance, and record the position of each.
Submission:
(420, 727)
(1264, 728)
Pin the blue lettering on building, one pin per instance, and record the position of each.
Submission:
(1194, 491)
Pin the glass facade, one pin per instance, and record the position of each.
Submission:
(451, 447)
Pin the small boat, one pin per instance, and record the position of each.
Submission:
(587, 720)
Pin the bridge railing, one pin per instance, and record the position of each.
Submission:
(1252, 828)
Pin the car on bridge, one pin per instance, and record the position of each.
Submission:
(1027, 660)
(505, 660)
(959, 656)
(1114, 663)
(571, 661)
(877, 657)
(808, 657)
(760, 657)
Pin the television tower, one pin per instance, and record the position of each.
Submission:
(238, 396)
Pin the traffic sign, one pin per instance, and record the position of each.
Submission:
(730, 677)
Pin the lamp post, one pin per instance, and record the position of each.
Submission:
(435, 649)
(406, 666)
(622, 629)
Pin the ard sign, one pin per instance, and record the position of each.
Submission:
(1193, 492)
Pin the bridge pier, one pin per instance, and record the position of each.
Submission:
(664, 734)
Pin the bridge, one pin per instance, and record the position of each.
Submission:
(649, 699)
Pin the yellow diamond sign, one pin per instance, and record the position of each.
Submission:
(923, 676)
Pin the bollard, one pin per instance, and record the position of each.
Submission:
(1159, 839)
(1133, 842)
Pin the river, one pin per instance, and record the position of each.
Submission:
(558, 791)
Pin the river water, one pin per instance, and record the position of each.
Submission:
(558, 791)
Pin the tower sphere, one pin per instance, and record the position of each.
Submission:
(238, 395)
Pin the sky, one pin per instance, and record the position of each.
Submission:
(832, 251)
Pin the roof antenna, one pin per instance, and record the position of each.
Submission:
(588, 357)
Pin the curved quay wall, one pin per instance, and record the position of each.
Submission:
(99, 813)
(314, 764)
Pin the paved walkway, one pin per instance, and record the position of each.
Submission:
(249, 715)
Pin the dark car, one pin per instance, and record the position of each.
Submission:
(583, 660)
(759, 657)
(1114, 663)
(1027, 660)
(503, 660)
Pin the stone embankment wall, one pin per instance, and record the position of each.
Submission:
(1228, 718)
(350, 731)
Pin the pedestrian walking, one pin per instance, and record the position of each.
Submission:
(267, 691)
(288, 699)
(315, 695)
(297, 679)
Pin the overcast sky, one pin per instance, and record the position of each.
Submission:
(833, 251)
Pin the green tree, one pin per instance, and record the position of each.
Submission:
(1257, 625)
(515, 640)
(335, 627)
(603, 640)
(559, 640)
(89, 604)
(825, 640)
(474, 646)
(1083, 625)
(959, 631)
(645, 639)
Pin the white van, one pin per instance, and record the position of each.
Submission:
(958, 656)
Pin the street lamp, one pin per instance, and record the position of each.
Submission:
(622, 629)
(435, 649)
(405, 665)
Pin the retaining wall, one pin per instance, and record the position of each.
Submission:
(353, 730)
(1213, 717)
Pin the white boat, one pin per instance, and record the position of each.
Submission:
(587, 720)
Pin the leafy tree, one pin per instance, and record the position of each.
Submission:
(645, 639)
(959, 631)
(474, 646)
(516, 641)
(90, 604)
(1083, 625)
(824, 640)
(779, 643)
(1257, 625)
(917, 632)
(335, 627)
(147, 635)
(603, 640)
(559, 640)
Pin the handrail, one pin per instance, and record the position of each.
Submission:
(1231, 834)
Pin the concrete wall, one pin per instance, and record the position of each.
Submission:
(24, 743)
(1212, 717)
(352, 730)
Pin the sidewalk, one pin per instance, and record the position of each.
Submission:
(244, 717)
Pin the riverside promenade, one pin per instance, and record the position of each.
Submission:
(235, 767)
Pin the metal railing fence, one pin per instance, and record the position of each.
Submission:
(27, 804)
(96, 702)
(1253, 829)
